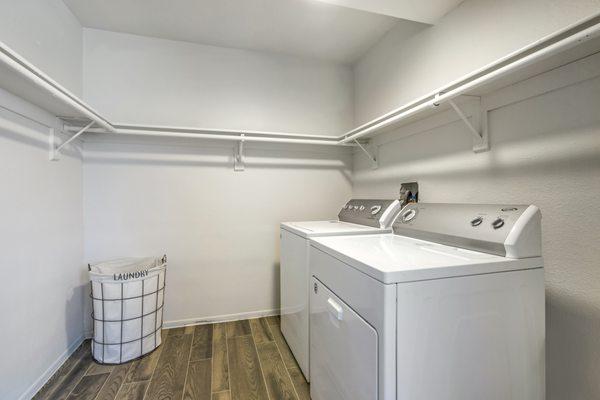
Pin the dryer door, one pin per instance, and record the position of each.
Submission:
(343, 349)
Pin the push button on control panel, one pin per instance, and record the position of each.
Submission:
(361, 208)
(477, 221)
(498, 223)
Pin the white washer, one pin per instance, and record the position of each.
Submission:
(448, 307)
(357, 217)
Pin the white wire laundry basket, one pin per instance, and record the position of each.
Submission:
(128, 299)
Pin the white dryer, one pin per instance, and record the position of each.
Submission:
(448, 307)
(357, 217)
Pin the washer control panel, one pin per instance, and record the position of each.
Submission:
(512, 230)
(371, 212)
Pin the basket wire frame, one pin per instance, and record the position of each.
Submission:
(122, 299)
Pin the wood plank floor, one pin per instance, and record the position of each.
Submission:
(239, 360)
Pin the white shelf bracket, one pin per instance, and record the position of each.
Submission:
(238, 157)
(54, 150)
(475, 124)
(372, 157)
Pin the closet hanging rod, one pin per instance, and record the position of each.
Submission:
(186, 129)
(563, 40)
(333, 141)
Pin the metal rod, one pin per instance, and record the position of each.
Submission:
(423, 103)
(389, 121)
(139, 132)
(75, 136)
(129, 129)
(185, 129)
(462, 116)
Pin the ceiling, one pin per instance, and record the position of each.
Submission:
(307, 28)
(426, 11)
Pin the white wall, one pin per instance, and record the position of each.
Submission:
(43, 286)
(477, 32)
(545, 151)
(48, 35)
(142, 80)
(219, 228)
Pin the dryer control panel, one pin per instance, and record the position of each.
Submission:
(370, 212)
(508, 230)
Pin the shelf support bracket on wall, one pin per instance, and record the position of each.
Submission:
(54, 150)
(372, 157)
(238, 157)
(475, 124)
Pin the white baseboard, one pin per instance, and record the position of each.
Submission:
(209, 320)
(43, 379)
(219, 318)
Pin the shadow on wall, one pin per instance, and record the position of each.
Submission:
(30, 133)
(75, 312)
(572, 349)
(86, 300)
(217, 154)
(276, 287)
(443, 154)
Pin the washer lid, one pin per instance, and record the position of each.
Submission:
(330, 228)
(392, 258)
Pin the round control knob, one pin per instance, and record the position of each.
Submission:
(477, 221)
(361, 208)
(498, 223)
(409, 215)
(375, 210)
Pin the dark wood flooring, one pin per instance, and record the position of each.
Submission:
(240, 360)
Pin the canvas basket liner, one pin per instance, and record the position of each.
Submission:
(127, 302)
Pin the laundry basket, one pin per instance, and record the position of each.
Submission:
(128, 298)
